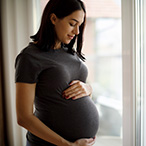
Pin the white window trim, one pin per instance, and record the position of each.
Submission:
(144, 114)
(129, 74)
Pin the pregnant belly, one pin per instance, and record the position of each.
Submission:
(72, 120)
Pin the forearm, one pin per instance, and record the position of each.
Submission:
(35, 126)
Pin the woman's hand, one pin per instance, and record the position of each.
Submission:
(84, 142)
(77, 90)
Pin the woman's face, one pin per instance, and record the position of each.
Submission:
(67, 27)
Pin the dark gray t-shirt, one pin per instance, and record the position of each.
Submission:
(52, 72)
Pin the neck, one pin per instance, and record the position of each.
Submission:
(57, 45)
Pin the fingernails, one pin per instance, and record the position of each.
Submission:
(74, 97)
(70, 83)
(66, 97)
(63, 95)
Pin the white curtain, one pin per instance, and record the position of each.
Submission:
(17, 25)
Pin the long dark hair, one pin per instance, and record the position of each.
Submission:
(46, 36)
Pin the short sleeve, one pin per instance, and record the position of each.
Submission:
(27, 68)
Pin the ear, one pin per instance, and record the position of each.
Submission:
(53, 18)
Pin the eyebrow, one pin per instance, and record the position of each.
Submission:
(75, 20)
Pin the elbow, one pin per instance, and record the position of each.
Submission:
(24, 120)
(20, 121)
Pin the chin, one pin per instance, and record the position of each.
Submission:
(67, 42)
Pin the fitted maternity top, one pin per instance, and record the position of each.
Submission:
(52, 72)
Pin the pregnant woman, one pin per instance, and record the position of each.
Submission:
(51, 75)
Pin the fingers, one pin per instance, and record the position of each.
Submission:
(85, 142)
(74, 81)
(91, 141)
(76, 90)
(74, 93)
(71, 89)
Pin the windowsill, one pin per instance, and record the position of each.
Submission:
(108, 141)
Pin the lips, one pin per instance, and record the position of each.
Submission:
(71, 36)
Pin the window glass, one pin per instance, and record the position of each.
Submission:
(102, 49)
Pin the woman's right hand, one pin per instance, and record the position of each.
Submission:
(84, 142)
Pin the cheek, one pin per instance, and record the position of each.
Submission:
(65, 29)
(62, 31)
(59, 31)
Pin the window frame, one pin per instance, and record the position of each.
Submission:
(129, 72)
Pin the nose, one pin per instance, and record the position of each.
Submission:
(76, 30)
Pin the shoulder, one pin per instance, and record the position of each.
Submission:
(30, 52)
(31, 49)
(28, 55)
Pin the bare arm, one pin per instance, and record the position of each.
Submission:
(24, 105)
(25, 94)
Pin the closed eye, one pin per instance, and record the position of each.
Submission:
(71, 24)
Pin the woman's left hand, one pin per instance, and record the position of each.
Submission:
(77, 90)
